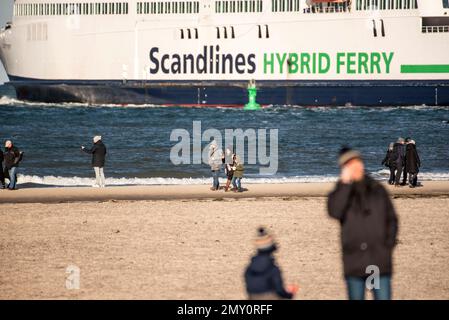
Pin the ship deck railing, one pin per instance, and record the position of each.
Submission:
(326, 10)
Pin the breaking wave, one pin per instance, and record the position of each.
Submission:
(60, 181)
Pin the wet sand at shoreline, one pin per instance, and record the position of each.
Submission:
(198, 192)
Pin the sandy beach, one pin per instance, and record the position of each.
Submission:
(186, 242)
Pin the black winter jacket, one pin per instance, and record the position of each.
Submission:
(398, 155)
(12, 157)
(369, 225)
(98, 152)
(412, 159)
(263, 276)
(388, 160)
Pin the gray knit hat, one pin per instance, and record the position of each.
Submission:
(347, 154)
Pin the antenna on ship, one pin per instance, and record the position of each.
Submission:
(252, 93)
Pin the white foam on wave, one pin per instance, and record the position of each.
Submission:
(9, 101)
(82, 181)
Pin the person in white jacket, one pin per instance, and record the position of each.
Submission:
(215, 162)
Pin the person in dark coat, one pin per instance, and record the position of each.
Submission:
(404, 169)
(389, 163)
(413, 163)
(398, 158)
(262, 276)
(98, 152)
(2, 172)
(12, 157)
(369, 226)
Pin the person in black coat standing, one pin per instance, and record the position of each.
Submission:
(369, 227)
(98, 152)
(398, 158)
(2, 172)
(412, 163)
(404, 169)
(262, 276)
(389, 163)
(11, 158)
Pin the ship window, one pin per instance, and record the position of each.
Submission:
(446, 4)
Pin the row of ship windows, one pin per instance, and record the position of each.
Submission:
(386, 4)
(168, 7)
(233, 6)
(221, 6)
(223, 32)
(59, 9)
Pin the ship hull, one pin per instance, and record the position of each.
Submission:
(234, 93)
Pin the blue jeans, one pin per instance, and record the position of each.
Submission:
(236, 182)
(356, 288)
(12, 178)
(216, 183)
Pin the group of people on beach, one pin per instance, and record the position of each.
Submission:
(9, 160)
(369, 227)
(233, 168)
(402, 159)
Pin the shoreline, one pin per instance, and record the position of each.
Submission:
(200, 192)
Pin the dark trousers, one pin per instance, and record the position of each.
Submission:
(391, 180)
(404, 175)
(397, 179)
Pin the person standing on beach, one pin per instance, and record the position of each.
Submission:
(12, 157)
(369, 227)
(413, 164)
(228, 161)
(399, 159)
(404, 169)
(238, 174)
(389, 163)
(215, 162)
(263, 277)
(98, 152)
(2, 172)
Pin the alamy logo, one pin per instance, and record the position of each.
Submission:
(72, 281)
(259, 150)
(373, 280)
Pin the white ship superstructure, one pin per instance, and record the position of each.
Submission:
(304, 52)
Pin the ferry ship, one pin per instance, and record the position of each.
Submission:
(205, 52)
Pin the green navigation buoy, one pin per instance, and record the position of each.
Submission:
(252, 93)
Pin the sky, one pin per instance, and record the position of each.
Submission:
(5, 16)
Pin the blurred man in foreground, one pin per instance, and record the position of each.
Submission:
(368, 228)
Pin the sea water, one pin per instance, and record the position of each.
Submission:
(138, 140)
